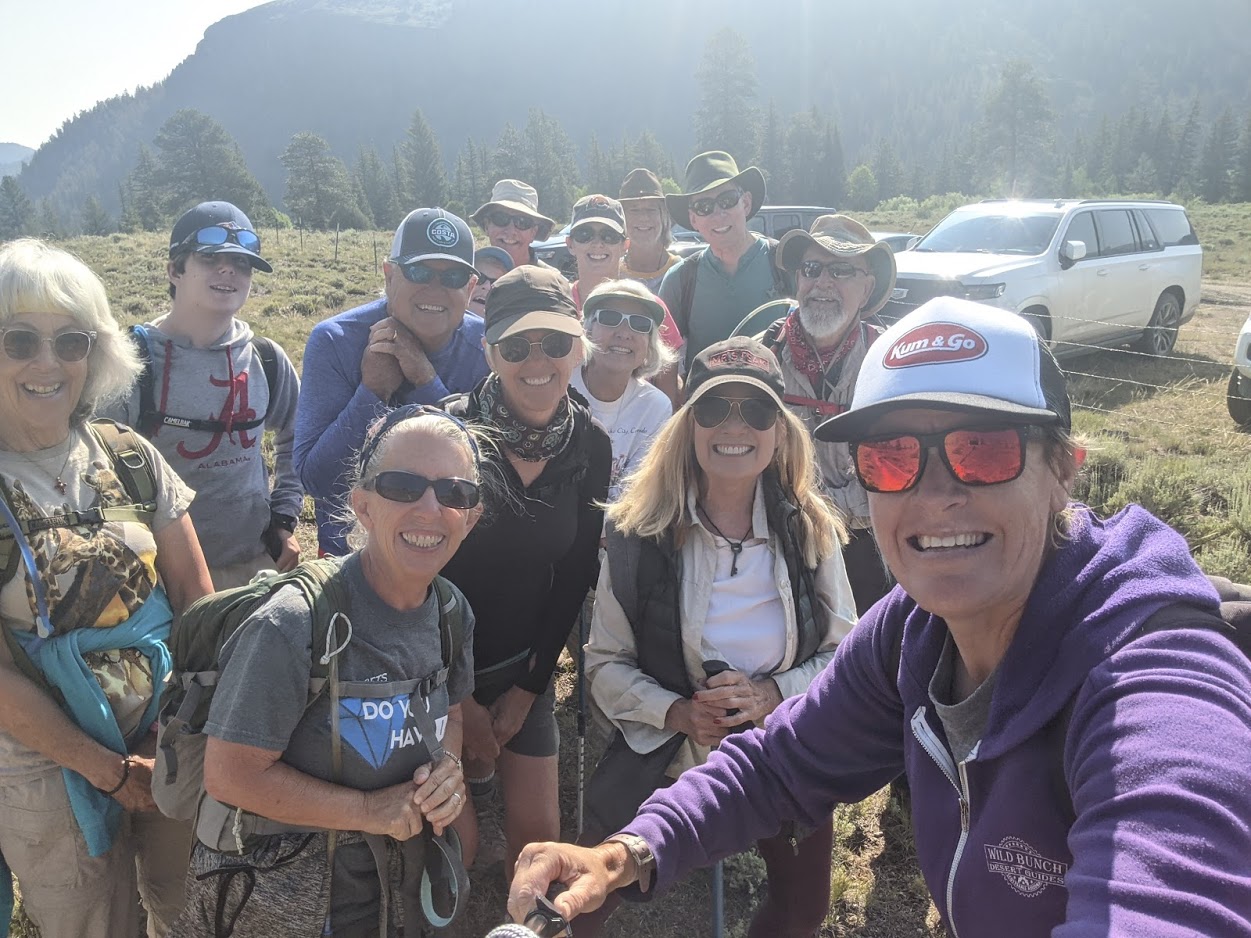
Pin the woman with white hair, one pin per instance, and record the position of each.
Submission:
(97, 553)
(622, 320)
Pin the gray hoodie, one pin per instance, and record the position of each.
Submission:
(225, 381)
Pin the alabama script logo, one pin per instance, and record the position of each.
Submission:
(1024, 868)
(935, 343)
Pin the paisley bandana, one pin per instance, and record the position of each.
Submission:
(532, 445)
(814, 363)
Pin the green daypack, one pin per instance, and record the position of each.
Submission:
(195, 643)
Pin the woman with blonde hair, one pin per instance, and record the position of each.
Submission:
(724, 593)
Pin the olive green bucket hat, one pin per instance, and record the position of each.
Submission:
(709, 170)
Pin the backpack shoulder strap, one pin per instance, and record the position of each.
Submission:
(687, 273)
(134, 471)
(782, 283)
(451, 627)
(267, 352)
(146, 380)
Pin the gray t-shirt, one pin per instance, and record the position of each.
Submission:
(260, 700)
(963, 722)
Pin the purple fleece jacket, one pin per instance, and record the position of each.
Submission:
(1157, 757)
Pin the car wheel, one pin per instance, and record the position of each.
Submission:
(1237, 400)
(1161, 333)
(1041, 322)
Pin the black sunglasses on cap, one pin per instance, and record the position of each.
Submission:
(588, 233)
(22, 344)
(757, 413)
(504, 219)
(397, 485)
(216, 234)
(454, 278)
(726, 200)
(515, 349)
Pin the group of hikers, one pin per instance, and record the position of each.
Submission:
(820, 554)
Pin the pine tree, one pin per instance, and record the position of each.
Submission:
(1016, 129)
(726, 118)
(773, 156)
(47, 223)
(861, 189)
(1242, 168)
(197, 161)
(319, 189)
(377, 188)
(803, 158)
(549, 164)
(507, 159)
(600, 173)
(1183, 171)
(142, 195)
(95, 220)
(833, 168)
(887, 171)
(1218, 159)
(17, 215)
(426, 182)
(1143, 178)
(1163, 151)
(649, 154)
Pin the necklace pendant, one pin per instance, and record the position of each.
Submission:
(60, 485)
(735, 550)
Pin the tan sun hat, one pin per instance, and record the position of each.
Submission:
(843, 237)
(513, 195)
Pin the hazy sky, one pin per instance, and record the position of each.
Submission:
(59, 57)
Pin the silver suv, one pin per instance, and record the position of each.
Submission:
(1085, 273)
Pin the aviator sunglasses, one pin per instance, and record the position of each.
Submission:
(811, 270)
(588, 233)
(22, 345)
(757, 413)
(515, 349)
(504, 219)
(396, 485)
(973, 456)
(611, 318)
(419, 272)
(726, 200)
(216, 234)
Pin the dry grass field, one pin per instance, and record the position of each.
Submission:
(1159, 433)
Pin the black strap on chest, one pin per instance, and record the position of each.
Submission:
(151, 418)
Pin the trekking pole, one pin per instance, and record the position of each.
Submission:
(582, 637)
(711, 669)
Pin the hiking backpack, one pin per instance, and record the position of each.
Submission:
(138, 479)
(195, 644)
(150, 419)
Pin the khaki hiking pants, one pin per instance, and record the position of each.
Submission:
(69, 894)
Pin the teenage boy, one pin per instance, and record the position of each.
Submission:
(417, 344)
(209, 391)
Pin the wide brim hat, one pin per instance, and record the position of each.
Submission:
(530, 297)
(641, 185)
(845, 238)
(741, 360)
(212, 215)
(596, 301)
(513, 195)
(708, 171)
(955, 355)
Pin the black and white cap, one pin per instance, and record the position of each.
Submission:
(953, 354)
(432, 234)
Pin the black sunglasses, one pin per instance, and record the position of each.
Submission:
(757, 413)
(504, 219)
(22, 344)
(588, 233)
(811, 270)
(216, 234)
(396, 485)
(515, 349)
(420, 272)
(726, 200)
(612, 318)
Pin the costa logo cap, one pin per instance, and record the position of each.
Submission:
(955, 355)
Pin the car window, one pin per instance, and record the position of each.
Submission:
(1082, 228)
(991, 234)
(1171, 226)
(1145, 235)
(757, 225)
(784, 223)
(1116, 233)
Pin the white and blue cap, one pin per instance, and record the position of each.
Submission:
(956, 355)
(429, 234)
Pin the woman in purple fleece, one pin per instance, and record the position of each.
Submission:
(1072, 773)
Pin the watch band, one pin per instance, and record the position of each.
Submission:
(641, 853)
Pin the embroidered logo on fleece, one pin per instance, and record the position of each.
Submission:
(935, 343)
(1024, 868)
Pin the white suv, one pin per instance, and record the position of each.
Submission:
(1085, 273)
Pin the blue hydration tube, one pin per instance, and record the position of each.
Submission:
(36, 581)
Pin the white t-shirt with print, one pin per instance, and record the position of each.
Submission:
(631, 421)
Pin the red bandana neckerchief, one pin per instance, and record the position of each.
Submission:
(814, 363)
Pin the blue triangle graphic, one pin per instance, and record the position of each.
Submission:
(364, 727)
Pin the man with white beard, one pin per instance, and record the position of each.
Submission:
(842, 276)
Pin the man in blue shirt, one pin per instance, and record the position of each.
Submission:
(417, 344)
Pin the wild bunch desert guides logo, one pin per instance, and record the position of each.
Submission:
(935, 343)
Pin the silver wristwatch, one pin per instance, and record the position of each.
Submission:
(641, 853)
